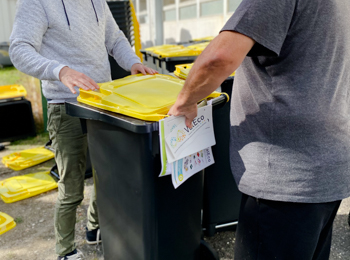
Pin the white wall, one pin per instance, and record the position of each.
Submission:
(7, 16)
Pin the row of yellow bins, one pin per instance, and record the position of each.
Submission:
(163, 58)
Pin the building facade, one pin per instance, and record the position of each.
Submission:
(182, 20)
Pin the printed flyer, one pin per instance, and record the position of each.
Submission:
(182, 141)
(184, 151)
(185, 168)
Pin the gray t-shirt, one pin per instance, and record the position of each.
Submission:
(290, 107)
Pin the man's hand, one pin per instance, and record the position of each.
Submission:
(140, 68)
(71, 78)
(179, 109)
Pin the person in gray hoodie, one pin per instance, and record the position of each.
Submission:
(66, 45)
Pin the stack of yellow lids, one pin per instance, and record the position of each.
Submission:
(25, 186)
(12, 91)
(27, 158)
(146, 97)
(182, 70)
(6, 223)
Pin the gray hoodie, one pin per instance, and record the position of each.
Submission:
(48, 35)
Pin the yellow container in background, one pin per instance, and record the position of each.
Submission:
(12, 91)
(27, 158)
(184, 52)
(6, 223)
(182, 70)
(21, 187)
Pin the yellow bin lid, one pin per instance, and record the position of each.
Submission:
(26, 186)
(6, 223)
(146, 97)
(27, 158)
(182, 70)
(12, 91)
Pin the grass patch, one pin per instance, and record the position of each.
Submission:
(9, 76)
(41, 138)
(18, 220)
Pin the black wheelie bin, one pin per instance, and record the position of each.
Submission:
(142, 216)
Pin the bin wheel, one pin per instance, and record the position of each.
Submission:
(207, 252)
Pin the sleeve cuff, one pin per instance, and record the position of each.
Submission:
(132, 62)
(56, 71)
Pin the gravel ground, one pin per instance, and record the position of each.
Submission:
(33, 237)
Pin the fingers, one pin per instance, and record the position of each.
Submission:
(72, 78)
(188, 122)
(140, 68)
(150, 71)
(190, 113)
(71, 88)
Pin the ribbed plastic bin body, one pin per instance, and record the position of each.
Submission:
(121, 13)
(142, 216)
(222, 198)
(16, 120)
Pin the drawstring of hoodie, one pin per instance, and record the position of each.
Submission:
(65, 12)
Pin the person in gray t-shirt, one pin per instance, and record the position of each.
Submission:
(290, 120)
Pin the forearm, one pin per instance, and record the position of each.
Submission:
(213, 66)
(25, 58)
(222, 57)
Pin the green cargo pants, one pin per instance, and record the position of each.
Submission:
(70, 146)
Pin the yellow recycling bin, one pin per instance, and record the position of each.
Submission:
(150, 56)
(26, 186)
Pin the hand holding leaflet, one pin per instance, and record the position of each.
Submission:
(186, 151)
(182, 141)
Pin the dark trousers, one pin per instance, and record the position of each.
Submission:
(270, 230)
